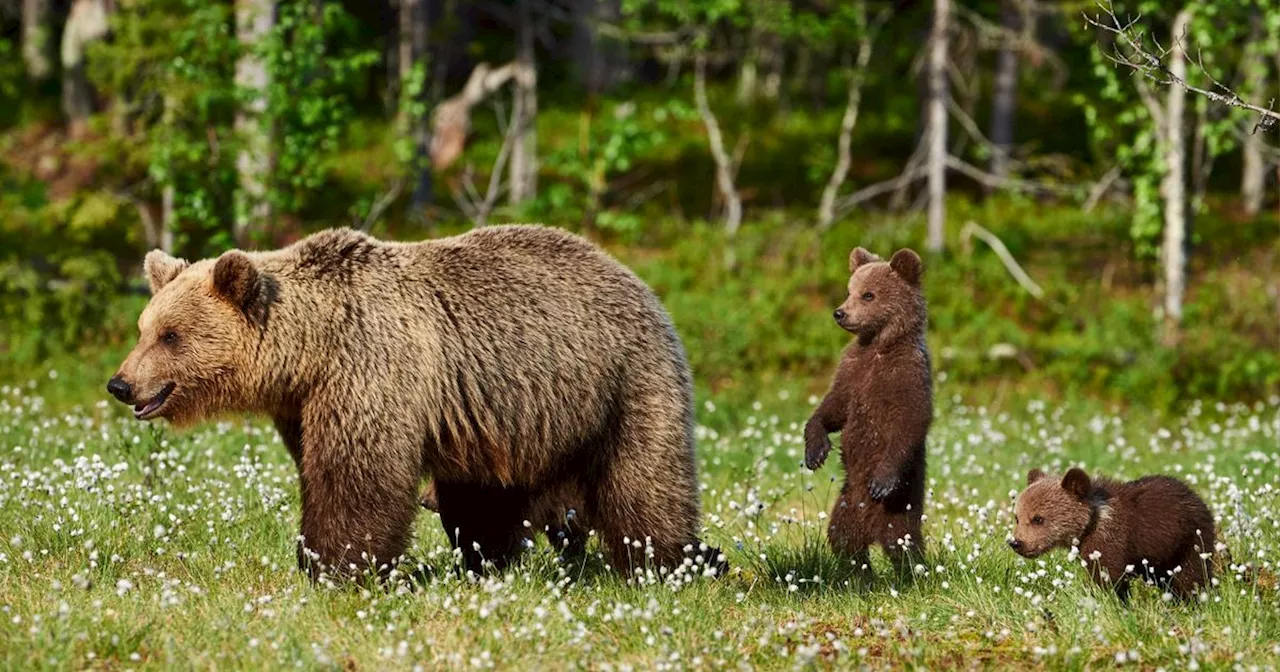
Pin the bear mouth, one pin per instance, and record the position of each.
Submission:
(149, 409)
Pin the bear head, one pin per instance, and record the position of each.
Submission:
(195, 337)
(1052, 513)
(885, 300)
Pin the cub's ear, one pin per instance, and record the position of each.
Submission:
(237, 280)
(160, 268)
(907, 264)
(1076, 482)
(1034, 475)
(860, 257)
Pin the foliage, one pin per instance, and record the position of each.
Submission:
(1122, 124)
(311, 68)
(609, 144)
(171, 63)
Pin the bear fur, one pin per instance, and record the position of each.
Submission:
(881, 402)
(505, 363)
(1153, 528)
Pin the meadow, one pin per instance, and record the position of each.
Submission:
(128, 546)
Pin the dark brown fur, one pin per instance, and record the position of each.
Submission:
(556, 512)
(506, 363)
(882, 403)
(1144, 528)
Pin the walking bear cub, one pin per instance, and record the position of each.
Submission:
(1153, 528)
(881, 402)
(507, 363)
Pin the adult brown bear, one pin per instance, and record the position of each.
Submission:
(506, 362)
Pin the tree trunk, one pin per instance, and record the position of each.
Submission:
(938, 125)
(524, 154)
(254, 20)
(597, 58)
(1005, 97)
(37, 38)
(414, 28)
(1173, 187)
(724, 163)
(86, 22)
(749, 71)
(1253, 176)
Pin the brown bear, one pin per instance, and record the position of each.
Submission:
(506, 362)
(881, 402)
(1155, 528)
(557, 513)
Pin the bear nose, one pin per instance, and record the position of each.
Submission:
(839, 315)
(120, 389)
(1015, 544)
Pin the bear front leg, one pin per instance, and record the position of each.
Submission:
(359, 499)
(828, 417)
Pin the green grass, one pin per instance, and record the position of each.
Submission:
(124, 545)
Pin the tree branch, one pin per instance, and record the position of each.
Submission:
(1150, 63)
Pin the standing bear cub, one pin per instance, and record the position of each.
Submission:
(881, 402)
(506, 363)
(1154, 528)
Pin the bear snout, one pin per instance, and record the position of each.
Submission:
(839, 315)
(120, 389)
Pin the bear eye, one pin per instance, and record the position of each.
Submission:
(169, 337)
(868, 296)
(1037, 520)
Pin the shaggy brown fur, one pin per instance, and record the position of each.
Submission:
(506, 362)
(557, 513)
(1153, 528)
(882, 403)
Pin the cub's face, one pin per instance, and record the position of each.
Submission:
(192, 342)
(1050, 513)
(880, 294)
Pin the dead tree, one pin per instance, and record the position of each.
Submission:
(726, 165)
(857, 77)
(937, 166)
(451, 120)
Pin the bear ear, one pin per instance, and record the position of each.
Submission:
(161, 269)
(907, 264)
(1076, 482)
(236, 279)
(860, 257)
(1034, 475)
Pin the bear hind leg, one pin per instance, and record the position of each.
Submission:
(646, 490)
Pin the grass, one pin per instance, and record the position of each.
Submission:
(123, 545)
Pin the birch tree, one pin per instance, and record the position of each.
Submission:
(254, 20)
(524, 153)
(937, 125)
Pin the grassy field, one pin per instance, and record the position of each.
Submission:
(124, 545)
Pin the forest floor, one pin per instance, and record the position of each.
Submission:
(125, 545)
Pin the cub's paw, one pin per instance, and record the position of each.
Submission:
(816, 448)
(883, 487)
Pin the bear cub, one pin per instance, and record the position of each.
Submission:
(881, 402)
(1155, 528)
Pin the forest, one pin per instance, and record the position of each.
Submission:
(1093, 185)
